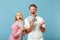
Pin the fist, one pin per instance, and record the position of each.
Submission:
(41, 23)
(22, 28)
(31, 24)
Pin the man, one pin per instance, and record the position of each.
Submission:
(34, 28)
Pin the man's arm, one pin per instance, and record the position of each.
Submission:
(42, 29)
(41, 26)
(30, 28)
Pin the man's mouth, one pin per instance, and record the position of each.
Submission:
(33, 13)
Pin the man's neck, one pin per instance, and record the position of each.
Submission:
(34, 15)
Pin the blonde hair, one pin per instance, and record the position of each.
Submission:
(16, 18)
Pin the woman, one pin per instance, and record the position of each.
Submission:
(17, 31)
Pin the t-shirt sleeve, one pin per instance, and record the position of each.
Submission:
(26, 23)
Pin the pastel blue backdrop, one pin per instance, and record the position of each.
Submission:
(48, 9)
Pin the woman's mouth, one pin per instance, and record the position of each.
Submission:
(19, 18)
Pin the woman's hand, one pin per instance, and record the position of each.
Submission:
(22, 29)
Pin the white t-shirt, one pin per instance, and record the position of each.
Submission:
(35, 33)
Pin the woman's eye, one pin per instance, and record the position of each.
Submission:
(17, 15)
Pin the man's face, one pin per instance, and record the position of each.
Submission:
(33, 11)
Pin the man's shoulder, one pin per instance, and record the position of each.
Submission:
(27, 18)
(39, 17)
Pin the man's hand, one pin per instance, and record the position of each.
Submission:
(31, 24)
(41, 27)
(30, 28)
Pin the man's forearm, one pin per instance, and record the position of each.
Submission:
(28, 30)
(42, 29)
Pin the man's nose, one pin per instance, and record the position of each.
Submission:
(32, 10)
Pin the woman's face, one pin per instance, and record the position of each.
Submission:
(19, 16)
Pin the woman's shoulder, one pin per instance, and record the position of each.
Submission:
(14, 25)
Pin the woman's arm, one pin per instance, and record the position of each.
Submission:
(15, 31)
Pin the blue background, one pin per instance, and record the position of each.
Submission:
(48, 9)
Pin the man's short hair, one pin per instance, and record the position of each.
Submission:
(33, 5)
